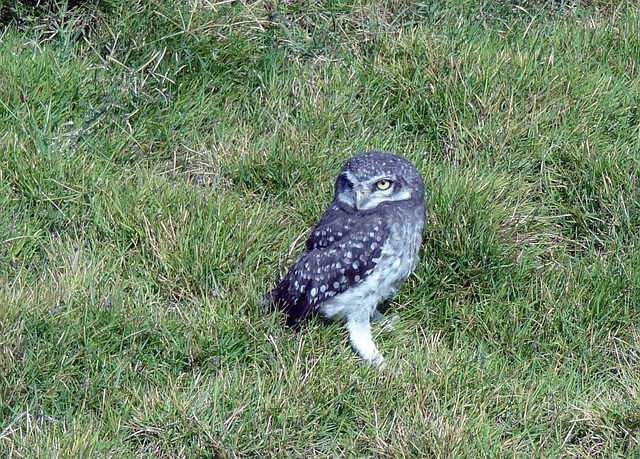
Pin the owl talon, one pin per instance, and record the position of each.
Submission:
(389, 325)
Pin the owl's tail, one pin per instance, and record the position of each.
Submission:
(267, 301)
(274, 302)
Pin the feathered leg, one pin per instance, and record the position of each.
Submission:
(361, 339)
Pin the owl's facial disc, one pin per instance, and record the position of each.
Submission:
(368, 194)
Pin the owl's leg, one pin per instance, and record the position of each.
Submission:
(361, 339)
(388, 324)
(376, 316)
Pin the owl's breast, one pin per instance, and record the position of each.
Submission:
(400, 253)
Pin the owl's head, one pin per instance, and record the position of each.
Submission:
(372, 178)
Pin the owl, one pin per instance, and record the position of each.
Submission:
(361, 251)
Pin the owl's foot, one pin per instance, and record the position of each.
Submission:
(387, 324)
(362, 342)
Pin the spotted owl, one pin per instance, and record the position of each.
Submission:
(361, 251)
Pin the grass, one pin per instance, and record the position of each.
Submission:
(160, 169)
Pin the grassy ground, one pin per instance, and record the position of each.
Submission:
(161, 162)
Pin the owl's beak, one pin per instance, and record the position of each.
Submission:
(362, 196)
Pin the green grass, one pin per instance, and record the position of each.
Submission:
(160, 169)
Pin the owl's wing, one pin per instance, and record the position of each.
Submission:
(341, 251)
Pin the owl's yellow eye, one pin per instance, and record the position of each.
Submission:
(383, 184)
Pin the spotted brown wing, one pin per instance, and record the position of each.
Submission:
(340, 252)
